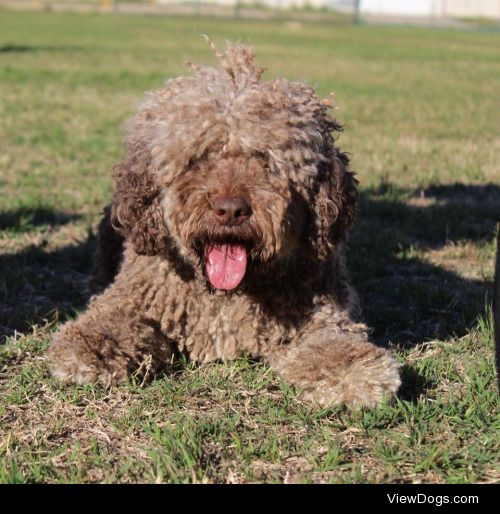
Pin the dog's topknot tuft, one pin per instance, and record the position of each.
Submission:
(238, 62)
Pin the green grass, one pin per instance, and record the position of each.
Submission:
(421, 114)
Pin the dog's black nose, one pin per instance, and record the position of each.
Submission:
(231, 210)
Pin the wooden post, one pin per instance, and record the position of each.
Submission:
(237, 9)
(444, 9)
(357, 11)
(496, 307)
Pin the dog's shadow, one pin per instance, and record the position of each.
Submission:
(407, 298)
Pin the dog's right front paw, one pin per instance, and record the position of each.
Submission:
(70, 368)
(72, 359)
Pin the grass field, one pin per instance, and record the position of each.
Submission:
(421, 113)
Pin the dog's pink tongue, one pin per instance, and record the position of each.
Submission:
(226, 265)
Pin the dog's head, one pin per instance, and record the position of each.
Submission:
(233, 172)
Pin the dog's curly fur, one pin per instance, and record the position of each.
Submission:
(223, 132)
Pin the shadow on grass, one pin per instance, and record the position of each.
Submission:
(36, 283)
(25, 219)
(408, 299)
(21, 49)
(413, 385)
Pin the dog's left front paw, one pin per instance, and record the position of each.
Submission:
(363, 383)
(354, 373)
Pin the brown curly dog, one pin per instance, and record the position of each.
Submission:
(231, 204)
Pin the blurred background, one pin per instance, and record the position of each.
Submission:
(429, 10)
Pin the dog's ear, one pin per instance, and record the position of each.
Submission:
(136, 211)
(334, 205)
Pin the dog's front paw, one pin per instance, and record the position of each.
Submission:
(73, 359)
(342, 371)
(364, 382)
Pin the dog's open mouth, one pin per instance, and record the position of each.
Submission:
(226, 264)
